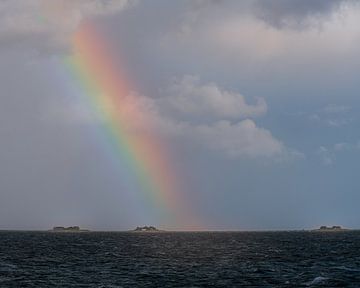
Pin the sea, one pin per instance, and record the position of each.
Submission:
(180, 259)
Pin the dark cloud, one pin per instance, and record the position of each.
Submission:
(296, 13)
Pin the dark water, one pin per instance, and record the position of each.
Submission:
(257, 259)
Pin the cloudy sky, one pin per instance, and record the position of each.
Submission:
(258, 102)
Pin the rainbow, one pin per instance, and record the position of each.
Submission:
(129, 127)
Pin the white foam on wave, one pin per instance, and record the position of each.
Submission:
(316, 281)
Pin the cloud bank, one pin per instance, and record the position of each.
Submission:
(49, 25)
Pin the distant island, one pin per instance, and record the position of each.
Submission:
(330, 229)
(68, 229)
(146, 229)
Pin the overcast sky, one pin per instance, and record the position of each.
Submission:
(257, 100)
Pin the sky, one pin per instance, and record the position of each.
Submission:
(253, 105)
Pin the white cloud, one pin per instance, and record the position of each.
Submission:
(329, 154)
(49, 24)
(188, 96)
(333, 108)
(240, 139)
(213, 107)
(332, 115)
(337, 122)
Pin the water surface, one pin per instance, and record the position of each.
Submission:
(202, 259)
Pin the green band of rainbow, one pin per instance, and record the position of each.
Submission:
(143, 152)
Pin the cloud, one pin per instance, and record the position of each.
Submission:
(237, 34)
(48, 25)
(214, 108)
(333, 108)
(329, 154)
(295, 14)
(188, 96)
(211, 110)
(332, 115)
(233, 140)
(240, 139)
(337, 122)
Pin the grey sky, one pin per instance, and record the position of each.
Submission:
(258, 101)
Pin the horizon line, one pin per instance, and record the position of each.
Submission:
(165, 230)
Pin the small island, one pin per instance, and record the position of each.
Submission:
(330, 229)
(146, 229)
(68, 229)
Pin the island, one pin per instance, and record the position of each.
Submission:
(147, 229)
(330, 229)
(68, 229)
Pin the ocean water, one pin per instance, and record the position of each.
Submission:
(203, 259)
